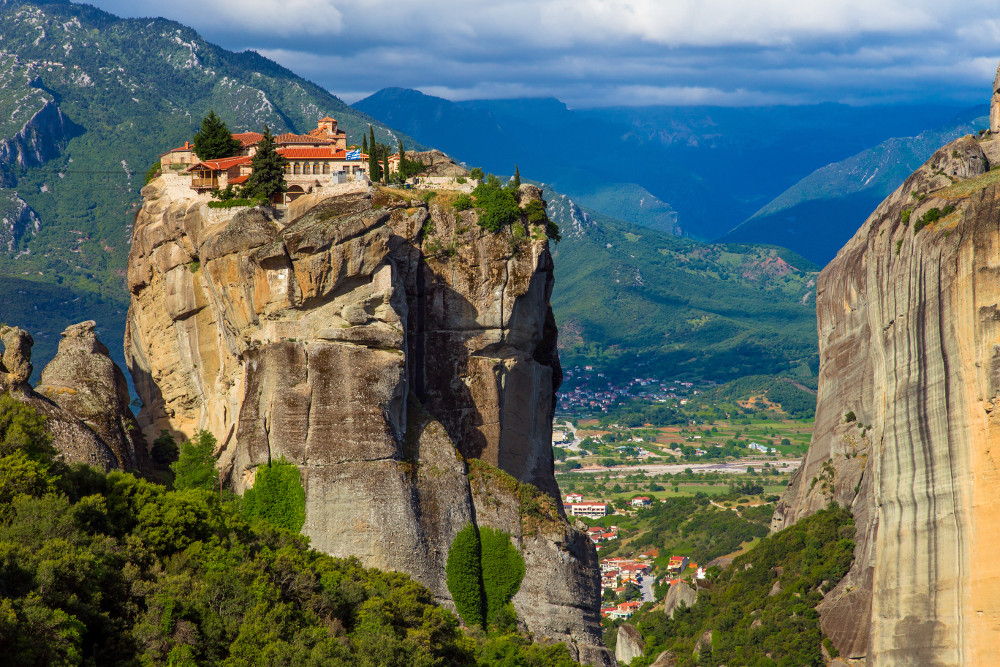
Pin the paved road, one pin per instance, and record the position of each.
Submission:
(735, 467)
(647, 588)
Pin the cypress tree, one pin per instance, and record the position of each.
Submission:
(364, 144)
(268, 177)
(214, 140)
(517, 177)
(374, 171)
(385, 165)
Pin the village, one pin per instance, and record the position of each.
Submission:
(624, 578)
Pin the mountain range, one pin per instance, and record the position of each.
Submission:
(700, 171)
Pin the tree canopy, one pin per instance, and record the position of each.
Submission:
(214, 140)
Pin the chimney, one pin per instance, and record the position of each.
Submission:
(187, 144)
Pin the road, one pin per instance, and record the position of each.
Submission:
(732, 468)
(647, 588)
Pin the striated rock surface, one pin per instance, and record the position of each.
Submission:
(678, 593)
(629, 644)
(75, 441)
(383, 345)
(907, 418)
(84, 381)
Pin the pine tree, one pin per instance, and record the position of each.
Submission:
(268, 177)
(214, 140)
(374, 171)
(517, 177)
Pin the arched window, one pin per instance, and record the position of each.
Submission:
(326, 167)
(297, 169)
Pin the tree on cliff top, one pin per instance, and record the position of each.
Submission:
(214, 140)
(268, 177)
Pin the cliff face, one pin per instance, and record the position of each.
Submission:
(378, 343)
(909, 334)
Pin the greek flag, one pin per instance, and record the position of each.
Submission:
(353, 155)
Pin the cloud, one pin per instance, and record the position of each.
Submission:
(598, 52)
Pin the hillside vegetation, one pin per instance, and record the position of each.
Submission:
(637, 300)
(111, 569)
(761, 610)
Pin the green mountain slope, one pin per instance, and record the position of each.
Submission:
(817, 215)
(637, 300)
(87, 103)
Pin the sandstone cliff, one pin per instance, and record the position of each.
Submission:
(909, 335)
(85, 401)
(383, 345)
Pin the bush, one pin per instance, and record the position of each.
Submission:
(152, 173)
(465, 576)
(165, 448)
(195, 466)
(503, 570)
(932, 215)
(277, 496)
(476, 174)
(497, 205)
(463, 203)
(849, 417)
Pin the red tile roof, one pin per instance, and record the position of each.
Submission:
(248, 138)
(327, 120)
(221, 164)
(239, 179)
(311, 153)
(289, 138)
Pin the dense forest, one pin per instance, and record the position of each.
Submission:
(112, 569)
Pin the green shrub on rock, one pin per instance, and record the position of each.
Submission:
(277, 495)
(465, 576)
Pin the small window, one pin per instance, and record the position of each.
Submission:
(298, 168)
(326, 167)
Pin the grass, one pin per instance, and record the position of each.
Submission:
(968, 187)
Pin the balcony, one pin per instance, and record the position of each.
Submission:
(204, 183)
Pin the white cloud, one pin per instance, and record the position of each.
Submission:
(593, 52)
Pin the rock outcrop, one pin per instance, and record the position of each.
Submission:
(73, 440)
(909, 386)
(84, 381)
(389, 348)
(995, 105)
(628, 644)
(678, 593)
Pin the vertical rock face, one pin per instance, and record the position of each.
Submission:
(379, 343)
(995, 105)
(909, 386)
(678, 593)
(84, 381)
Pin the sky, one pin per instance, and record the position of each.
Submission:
(594, 53)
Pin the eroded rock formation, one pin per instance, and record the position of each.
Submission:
(678, 593)
(909, 384)
(629, 644)
(380, 343)
(75, 441)
(84, 381)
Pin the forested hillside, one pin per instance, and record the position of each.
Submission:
(115, 570)
(641, 301)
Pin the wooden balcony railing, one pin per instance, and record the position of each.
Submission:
(206, 183)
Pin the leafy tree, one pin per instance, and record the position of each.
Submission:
(165, 449)
(214, 140)
(277, 495)
(152, 172)
(268, 177)
(497, 205)
(465, 576)
(195, 466)
(476, 173)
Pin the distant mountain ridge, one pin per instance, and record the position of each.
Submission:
(817, 215)
(711, 167)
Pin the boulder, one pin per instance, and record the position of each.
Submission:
(678, 593)
(629, 644)
(84, 381)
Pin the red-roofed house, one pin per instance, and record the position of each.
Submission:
(180, 155)
(641, 501)
(216, 174)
